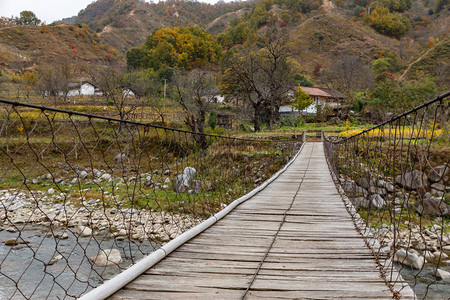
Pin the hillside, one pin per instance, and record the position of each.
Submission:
(23, 47)
(126, 24)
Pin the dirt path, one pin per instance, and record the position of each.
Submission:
(414, 62)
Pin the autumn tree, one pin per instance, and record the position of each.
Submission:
(302, 100)
(169, 47)
(194, 92)
(388, 23)
(27, 18)
(261, 74)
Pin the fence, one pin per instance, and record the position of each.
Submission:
(396, 182)
(83, 197)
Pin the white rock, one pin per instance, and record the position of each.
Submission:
(106, 177)
(50, 191)
(83, 174)
(444, 275)
(107, 258)
(84, 231)
(55, 260)
(409, 259)
(439, 256)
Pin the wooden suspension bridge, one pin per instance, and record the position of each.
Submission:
(293, 240)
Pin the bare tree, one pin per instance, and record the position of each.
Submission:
(194, 92)
(110, 80)
(53, 80)
(261, 75)
(348, 74)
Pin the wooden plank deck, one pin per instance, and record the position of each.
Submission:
(293, 240)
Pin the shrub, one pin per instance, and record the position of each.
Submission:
(385, 22)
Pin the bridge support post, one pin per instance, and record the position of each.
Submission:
(304, 136)
(322, 135)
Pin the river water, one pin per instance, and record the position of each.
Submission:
(59, 281)
(65, 279)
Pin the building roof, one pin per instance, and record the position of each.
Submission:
(316, 92)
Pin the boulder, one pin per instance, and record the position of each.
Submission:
(360, 202)
(188, 175)
(84, 231)
(412, 180)
(352, 190)
(121, 157)
(438, 173)
(438, 187)
(376, 201)
(106, 177)
(431, 206)
(107, 258)
(178, 184)
(364, 183)
(197, 186)
(444, 275)
(54, 260)
(83, 174)
(377, 190)
(409, 258)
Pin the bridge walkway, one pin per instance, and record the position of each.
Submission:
(293, 240)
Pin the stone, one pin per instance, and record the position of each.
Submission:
(107, 257)
(121, 157)
(428, 255)
(54, 260)
(438, 173)
(377, 190)
(74, 181)
(354, 191)
(106, 177)
(431, 206)
(166, 172)
(409, 258)
(444, 275)
(188, 175)
(439, 256)
(62, 236)
(167, 181)
(50, 191)
(11, 242)
(438, 187)
(376, 201)
(47, 176)
(83, 174)
(363, 182)
(84, 231)
(11, 229)
(148, 183)
(412, 180)
(360, 202)
(178, 184)
(197, 186)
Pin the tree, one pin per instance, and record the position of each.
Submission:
(385, 22)
(110, 80)
(182, 47)
(261, 74)
(302, 100)
(348, 74)
(53, 80)
(194, 92)
(27, 18)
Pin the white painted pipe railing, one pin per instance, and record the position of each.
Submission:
(116, 283)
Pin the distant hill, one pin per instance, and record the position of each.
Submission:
(320, 30)
(23, 47)
(127, 23)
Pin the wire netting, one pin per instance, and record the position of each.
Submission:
(396, 178)
(83, 197)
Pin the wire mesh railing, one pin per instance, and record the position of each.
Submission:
(84, 197)
(396, 180)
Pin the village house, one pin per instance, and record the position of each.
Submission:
(321, 96)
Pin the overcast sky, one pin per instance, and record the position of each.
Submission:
(48, 10)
